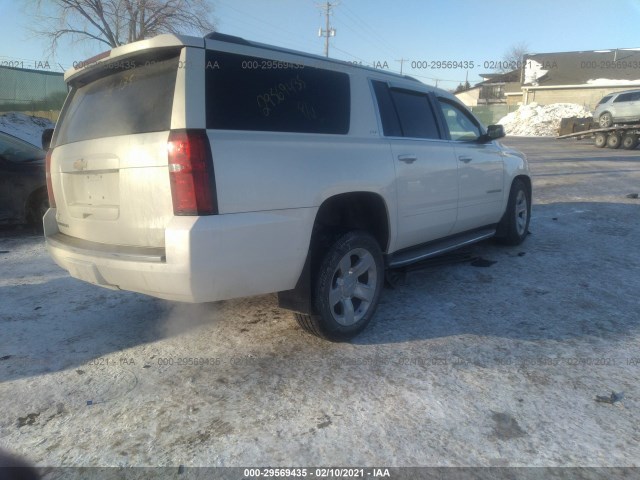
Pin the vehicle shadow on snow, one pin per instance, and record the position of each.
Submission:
(68, 323)
(574, 276)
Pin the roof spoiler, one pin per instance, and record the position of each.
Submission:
(223, 37)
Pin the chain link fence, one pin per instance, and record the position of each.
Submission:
(32, 92)
(491, 114)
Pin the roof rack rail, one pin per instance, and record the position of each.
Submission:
(223, 37)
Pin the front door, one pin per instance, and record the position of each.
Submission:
(480, 170)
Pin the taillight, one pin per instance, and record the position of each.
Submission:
(52, 200)
(191, 173)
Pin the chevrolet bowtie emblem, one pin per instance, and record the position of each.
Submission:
(80, 164)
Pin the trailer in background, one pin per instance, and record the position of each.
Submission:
(625, 136)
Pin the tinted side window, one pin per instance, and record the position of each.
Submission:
(251, 93)
(635, 96)
(388, 115)
(625, 97)
(461, 125)
(416, 115)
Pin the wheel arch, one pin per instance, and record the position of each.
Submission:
(610, 114)
(31, 203)
(360, 210)
(339, 213)
(527, 181)
(502, 230)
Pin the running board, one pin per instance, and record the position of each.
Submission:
(433, 249)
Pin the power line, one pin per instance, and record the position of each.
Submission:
(350, 54)
(355, 32)
(374, 33)
(292, 38)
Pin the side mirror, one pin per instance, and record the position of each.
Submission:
(47, 134)
(495, 131)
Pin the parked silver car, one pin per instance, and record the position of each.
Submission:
(619, 107)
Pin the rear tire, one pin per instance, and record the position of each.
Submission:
(39, 206)
(347, 288)
(605, 120)
(514, 226)
(630, 141)
(600, 140)
(614, 140)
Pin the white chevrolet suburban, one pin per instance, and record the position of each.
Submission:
(202, 169)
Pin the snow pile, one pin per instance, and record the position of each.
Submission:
(24, 126)
(608, 82)
(535, 120)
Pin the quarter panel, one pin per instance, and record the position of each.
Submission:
(270, 171)
(515, 164)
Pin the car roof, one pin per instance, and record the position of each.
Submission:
(624, 91)
(221, 37)
(18, 139)
(400, 81)
(173, 40)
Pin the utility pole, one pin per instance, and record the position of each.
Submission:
(402, 60)
(328, 31)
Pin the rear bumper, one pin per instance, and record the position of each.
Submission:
(204, 259)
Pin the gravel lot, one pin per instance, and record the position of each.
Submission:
(464, 365)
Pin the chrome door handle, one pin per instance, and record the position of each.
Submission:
(407, 158)
(464, 159)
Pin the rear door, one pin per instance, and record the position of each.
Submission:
(426, 169)
(109, 162)
(480, 169)
(624, 106)
(633, 112)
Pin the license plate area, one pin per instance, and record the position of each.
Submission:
(92, 194)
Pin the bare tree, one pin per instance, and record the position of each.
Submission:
(512, 59)
(117, 22)
(462, 87)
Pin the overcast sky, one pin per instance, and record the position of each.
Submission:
(383, 32)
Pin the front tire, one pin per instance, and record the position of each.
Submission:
(347, 288)
(39, 206)
(514, 226)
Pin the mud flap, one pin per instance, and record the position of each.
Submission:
(300, 299)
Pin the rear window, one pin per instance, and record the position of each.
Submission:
(416, 115)
(604, 99)
(388, 114)
(136, 100)
(251, 93)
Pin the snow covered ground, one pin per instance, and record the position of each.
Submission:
(26, 127)
(511, 364)
(535, 120)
